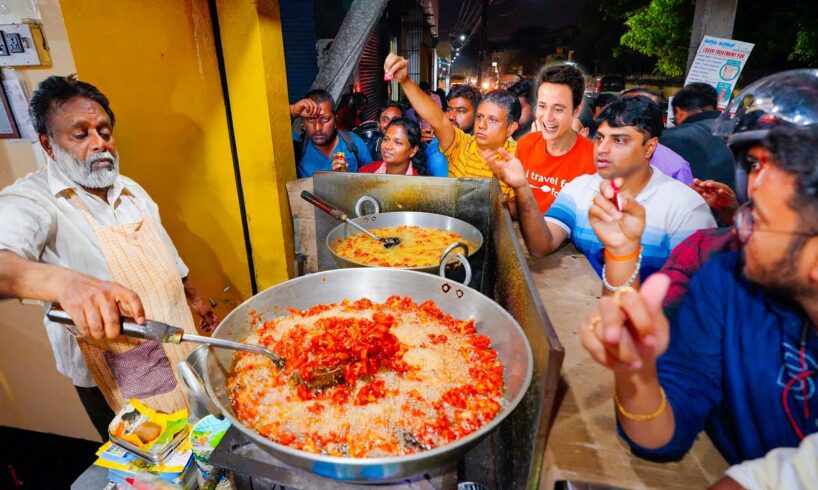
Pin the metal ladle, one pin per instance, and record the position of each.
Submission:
(336, 213)
(164, 333)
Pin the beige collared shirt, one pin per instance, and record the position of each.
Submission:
(38, 223)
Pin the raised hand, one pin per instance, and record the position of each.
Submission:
(718, 196)
(397, 67)
(508, 168)
(305, 108)
(620, 231)
(629, 330)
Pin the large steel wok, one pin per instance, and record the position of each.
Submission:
(376, 284)
(408, 218)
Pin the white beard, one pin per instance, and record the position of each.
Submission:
(83, 173)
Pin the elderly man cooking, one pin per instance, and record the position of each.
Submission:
(79, 234)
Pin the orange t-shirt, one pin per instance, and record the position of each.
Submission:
(547, 174)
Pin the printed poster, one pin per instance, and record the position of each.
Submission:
(718, 63)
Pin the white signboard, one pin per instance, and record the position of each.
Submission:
(19, 104)
(718, 63)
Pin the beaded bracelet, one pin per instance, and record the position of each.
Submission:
(642, 417)
(630, 279)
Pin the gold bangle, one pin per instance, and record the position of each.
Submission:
(642, 417)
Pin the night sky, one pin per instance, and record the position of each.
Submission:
(505, 17)
(509, 15)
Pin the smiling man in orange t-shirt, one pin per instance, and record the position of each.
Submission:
(554, 154)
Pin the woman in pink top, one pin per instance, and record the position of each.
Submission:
(400, 149)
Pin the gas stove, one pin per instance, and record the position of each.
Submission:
(254, 468)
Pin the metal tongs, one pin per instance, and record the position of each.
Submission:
(164, 333)
(336, 213)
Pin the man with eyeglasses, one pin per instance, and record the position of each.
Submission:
(797, 91)
(741, 360)
(321, 146)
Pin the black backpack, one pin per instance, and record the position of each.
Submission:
(370, 133)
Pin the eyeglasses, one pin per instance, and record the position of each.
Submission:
(751, 163)
(323, 119)
(745, 224)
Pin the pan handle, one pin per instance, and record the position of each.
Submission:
(323, 205)
(362, 200)
(193, 385)
(130, 328)
(444, 260)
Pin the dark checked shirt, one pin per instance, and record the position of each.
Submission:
(689, 256)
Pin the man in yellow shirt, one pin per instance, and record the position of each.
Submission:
(494, 123)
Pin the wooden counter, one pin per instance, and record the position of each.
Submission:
(583, 445)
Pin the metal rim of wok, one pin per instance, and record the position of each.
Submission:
(506, 334)
(400, 218)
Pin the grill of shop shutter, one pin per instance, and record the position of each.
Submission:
(298, 29)
(370, 74)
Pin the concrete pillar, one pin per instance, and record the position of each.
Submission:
(253, 47)
(435, 61)
(714, 18)
(348, 45)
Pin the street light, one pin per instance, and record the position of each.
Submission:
(462, 37)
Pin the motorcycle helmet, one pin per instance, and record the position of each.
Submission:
(788, 97)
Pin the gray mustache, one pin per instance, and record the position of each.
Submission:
(105, 155)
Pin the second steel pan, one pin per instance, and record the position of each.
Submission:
(408, 218)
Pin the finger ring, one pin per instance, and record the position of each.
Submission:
(619, 292)
(593, 322)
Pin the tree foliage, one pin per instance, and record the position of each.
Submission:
(806, 45)
(641, 36)
(662, 29)
(785, 34)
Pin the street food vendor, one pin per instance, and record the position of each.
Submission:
(80, 234)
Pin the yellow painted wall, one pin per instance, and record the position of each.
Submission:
(156, 62)
(257, 83)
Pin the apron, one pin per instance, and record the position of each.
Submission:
(126, 368)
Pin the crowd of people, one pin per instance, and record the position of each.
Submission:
(703, 236)
(716, 218)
